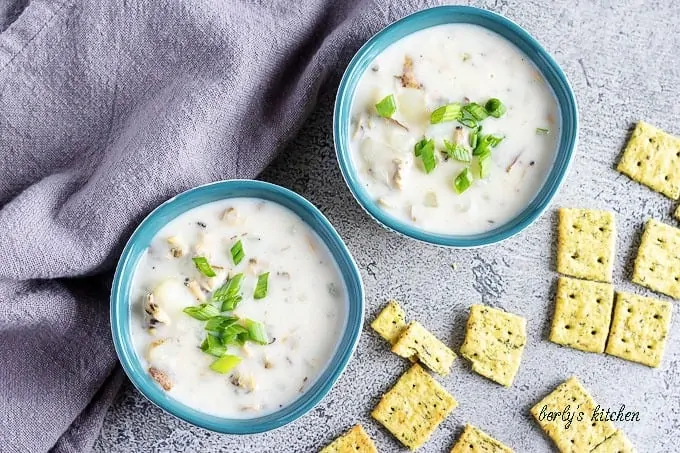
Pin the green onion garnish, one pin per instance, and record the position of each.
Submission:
(225, 363)
(203, 266)
(256, 331)
(462, 181)
(262, 286)
(468, 121)
(213, 346)
(228, 294)
(542, 131)
(234, 334)
(484, 161)
(474, 135)
(237, 253)
(495, 108)
(449, 112)
(476, 111)
(457, 152)
(217, 324)
(387, 107)
(485, 143)
(202, 312)
(425, 150)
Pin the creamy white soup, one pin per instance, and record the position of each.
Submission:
(237, 306)
(453, 129)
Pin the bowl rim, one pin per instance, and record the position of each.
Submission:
(567, 106)
(337, 363)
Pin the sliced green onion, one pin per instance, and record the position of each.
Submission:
(493, 140)
(213, 346)
(237, 253)
(474, 135)
(225, 363)
(484, 161)
(228, 294)
(495, 108)
(261, 286)
(485, 143)
(449, 112)
(256, 331)
(457, 151)
(542, 131)
(387, 107)
(217, 324)
(202, 312)
(476, 111)
(425, 150)
(463, 181)
(203, 266)
(468, 122)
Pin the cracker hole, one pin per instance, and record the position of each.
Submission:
(567, 327)
(598, 300)
(623, 340)
(651, 139)
(649, 346)
(509, 333)
(594, 332)
(601, 228)
(656, 316)
(639, 164)
(594, 423)
(630, 310)
(600, 260)
(572, 296)
(574, 255)
(666, 178)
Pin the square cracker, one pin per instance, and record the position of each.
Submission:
(355, 440)
(639, 329)
(494, 341)
(616, 443)
(652, 158)
(585, 244)
(474, 440)
(390, 322)
(581, 435)
(414, 407)
(657, 264)
(583, 312)
(417, 341)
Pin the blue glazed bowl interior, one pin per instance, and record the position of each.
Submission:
(120, 303)
(513, 33)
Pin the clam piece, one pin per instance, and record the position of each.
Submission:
(196, 290)
(160, 377)
(176, 248)
(231, 216)
(408, 78)
(154, 314)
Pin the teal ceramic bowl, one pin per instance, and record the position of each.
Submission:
(140, 240)
(530, 47)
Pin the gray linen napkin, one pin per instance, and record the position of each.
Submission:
(107, 108)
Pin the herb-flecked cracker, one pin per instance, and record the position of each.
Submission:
(414, 407)
(639, 329)
(652, 158)
(583, 312)
(657, 265)
(356, 440)
(494, 341)
(585, 244)
(577, 436)
(616, 443)
(417, 341)
(391, 322)
(474, 440)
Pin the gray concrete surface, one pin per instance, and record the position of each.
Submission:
(623, 60)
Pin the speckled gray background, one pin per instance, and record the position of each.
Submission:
(623, 60)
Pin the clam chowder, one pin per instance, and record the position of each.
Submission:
(453, 129)
(237, 306)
